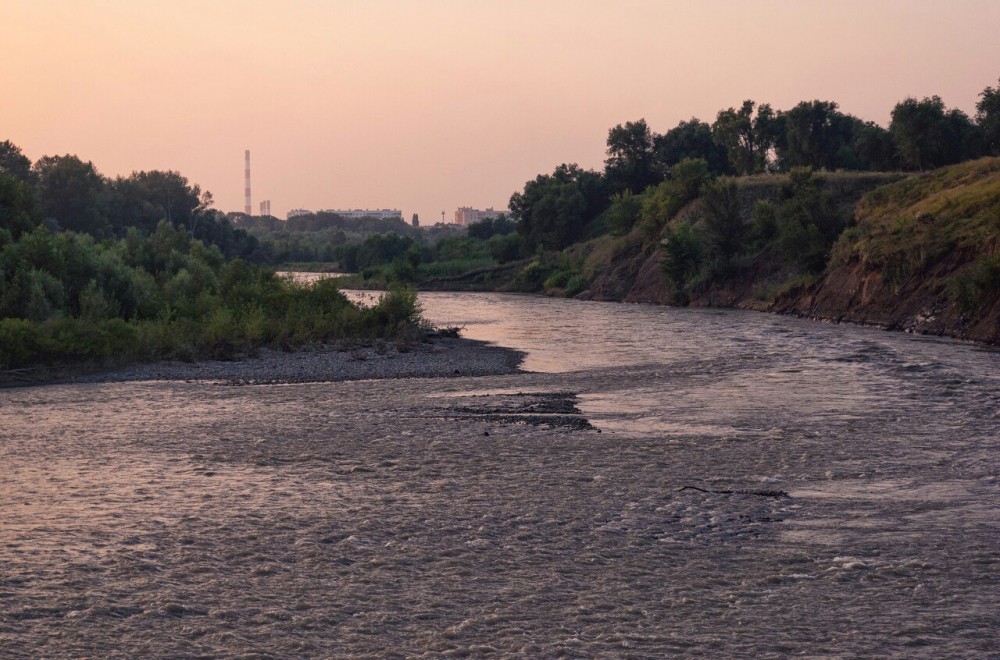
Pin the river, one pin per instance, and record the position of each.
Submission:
(752, 485)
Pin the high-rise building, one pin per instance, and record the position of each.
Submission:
(466, 215)
(379, 214)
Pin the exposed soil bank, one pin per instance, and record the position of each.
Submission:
(857, 293)
(923, 255)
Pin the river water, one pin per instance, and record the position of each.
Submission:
(369, 518)
(752, 368)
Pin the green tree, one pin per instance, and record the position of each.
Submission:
(927, 135)
(874, 148)
(687, 179)
(144, 198)
(631, 164)
(988, 118)
(624, 211)
(817, 135)
(17, 208)
(724, 227)
(747, 138)
(14, 163)
(682, 257)
(488, 227)
(807, 221)
(690, 139)
(554, 209)
(72, 194)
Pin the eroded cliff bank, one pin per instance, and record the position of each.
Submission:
(922, 254)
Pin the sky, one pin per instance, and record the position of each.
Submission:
(427, 105)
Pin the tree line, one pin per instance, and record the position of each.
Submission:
(65, 193)
(555, 210)
(97, 271)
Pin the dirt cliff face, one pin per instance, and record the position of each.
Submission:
(923, 257)
(858, 293)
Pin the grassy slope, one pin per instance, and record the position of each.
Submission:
(918, 221)
(630, 268)
(924, 256)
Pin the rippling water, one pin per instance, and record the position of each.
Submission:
(369, 518)
(716, 367)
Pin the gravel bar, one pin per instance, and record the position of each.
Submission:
(443, 357)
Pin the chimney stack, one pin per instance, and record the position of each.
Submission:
(248, 209)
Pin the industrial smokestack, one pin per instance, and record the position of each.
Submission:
(248, 209)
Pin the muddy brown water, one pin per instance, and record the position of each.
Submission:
(452, 517)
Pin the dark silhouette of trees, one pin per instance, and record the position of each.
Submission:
(73, 195)
(988, 118)
(17, 206)
(927, 135)
(807, 222)
(488, 227)
(724, 228)
(874, 148)
(553, 209)
(747, 137)
(691, 139)
(631, 164)
(14, 163)
(817, 135)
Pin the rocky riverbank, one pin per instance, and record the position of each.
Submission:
(438, 358)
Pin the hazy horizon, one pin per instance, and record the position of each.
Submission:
(429, 106)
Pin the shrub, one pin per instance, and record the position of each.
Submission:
(532, 277)
(624, 212)
(981, 279)
(72, 301)
(396, 307)
(683, 251)
(22, 343)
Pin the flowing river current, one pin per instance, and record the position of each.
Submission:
(728, 484)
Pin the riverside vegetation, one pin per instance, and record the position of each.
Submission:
(762, 209)
(808, 211)
(90, 278)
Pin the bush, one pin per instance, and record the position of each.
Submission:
(395, 308)
(981, 279)
(807, 223)
(624, 212)
(533, 276)
(22, 343)
(683, 251)
(65, 300)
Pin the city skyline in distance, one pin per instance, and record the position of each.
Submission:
(433, 106)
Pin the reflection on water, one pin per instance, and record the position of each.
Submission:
(375, 518)
(728, 369)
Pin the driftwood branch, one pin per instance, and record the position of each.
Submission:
(441, 333)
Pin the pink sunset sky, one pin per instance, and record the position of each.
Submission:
(426, 105)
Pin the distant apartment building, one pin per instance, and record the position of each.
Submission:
(294, 213)
(465, 215)
(379, 214)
